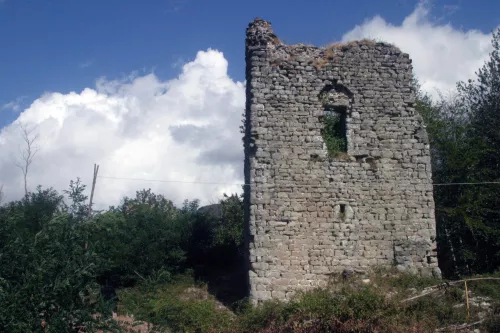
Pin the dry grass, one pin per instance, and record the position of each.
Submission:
(328, 54)
(276, 40)
(330, 50)
(328, 57)
(346, 45)
(129, 324)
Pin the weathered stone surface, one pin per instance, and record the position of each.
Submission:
(309, 215)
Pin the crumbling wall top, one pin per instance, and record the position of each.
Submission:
(260, 33)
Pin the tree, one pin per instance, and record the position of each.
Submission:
(78, 208)
(146, 235)
(27, 155)
(480, 100)
(465, 149)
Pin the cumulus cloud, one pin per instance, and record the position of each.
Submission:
(441, 54)
(184, 130)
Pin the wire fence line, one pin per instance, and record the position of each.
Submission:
(172, 181)
(242, 184)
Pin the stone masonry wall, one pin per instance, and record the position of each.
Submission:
(309, 215)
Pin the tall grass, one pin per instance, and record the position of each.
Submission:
(356, 306)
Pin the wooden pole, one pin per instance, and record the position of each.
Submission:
(450, 283)
(467, 300)
(96, 170)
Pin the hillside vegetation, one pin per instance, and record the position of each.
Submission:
(182, 270)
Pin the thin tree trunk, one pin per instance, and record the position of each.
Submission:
(452, 249)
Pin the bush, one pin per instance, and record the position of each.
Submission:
(147, 234)
(47, 268)
(181, 306)
(53, 257)
(489, 288)
(184, 305)
(356, 308)
(255, 319)
(318, 310)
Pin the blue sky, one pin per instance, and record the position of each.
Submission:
(62, 45)
(129, 84)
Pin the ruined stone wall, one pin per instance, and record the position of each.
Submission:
(308, 214)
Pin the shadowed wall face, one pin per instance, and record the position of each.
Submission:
(338, 164)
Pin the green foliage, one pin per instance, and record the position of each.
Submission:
(223, 234)
(315, 304)
(185, 306)
(181, 306)
(229, 229)
(437, 311)
(332, 135)
(254, 319)
(47, 268)
(488, 288)
(78, 209)
(146, 234)
(465, 148)
(390, 278)
(56, 260)
(358, 308)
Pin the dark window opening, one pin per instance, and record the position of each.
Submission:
(342, 208)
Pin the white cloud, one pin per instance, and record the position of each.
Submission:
(185, 129)
(14, 105)
(441, 54)
(85, 64)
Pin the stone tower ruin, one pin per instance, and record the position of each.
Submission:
(337, 164)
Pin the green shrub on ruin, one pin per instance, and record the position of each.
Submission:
(332, 135)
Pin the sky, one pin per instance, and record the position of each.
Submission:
(153, 91)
